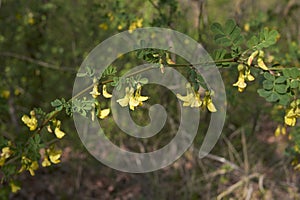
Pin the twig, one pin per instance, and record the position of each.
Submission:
(245, 152)
(237, 185)
(38, 62)
(223, 160)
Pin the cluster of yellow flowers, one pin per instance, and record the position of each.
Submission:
(135, 24)
(31, 121)
(292, 113)
(131, 98)
(52, 156)
(193, 99)
(28, 164)
(280, 130)
(5, 154)
(95, 93)
(58, 133)
(244, 75)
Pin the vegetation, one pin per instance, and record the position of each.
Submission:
(42, 45)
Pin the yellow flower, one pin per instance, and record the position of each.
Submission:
(31, 121)
(120, 27)
(207, 101)
(293, 113)
(54, 155)
(46, 162)
(249, 76)
(280, 130)
(128, 94)
(251, 57)
(247, 27)
(29, 165)
(6, 153)
(105, 93)
(95, 93)
(139, 23)
(34, 166)
(260, 61)
(136, 24)
(241, 82)
(103, 26)
(131, 99)
(103, 113)
(59, 133)
(191, 99)
(14, 188)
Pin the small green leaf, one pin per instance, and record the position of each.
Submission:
(268, 85)
(268, 76)
(217, 28)
(294, 84)
(264, 93)
(273, 97)
(281, 79)
(56, 103)
(281, 88)
(294, 72)
(229, 26)
(284, 99)
(252, 42)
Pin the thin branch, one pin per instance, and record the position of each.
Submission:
(237, 185)
(224, 161)
(34, 61)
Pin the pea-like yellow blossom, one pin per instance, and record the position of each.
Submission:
(59, 133)
(105, 93)
(207, 102)
(292, 113)
(31, 121)
(280, 130)
(244, 75)
(191, 99)
(46, 162)
(14, 188)
(95, 93)
(132, 99)
(54, 155)
(6, 153)
(28, 164)
(103, 113)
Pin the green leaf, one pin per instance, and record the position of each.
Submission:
(217, 28)
(267, 38)
(252, 42)
(268, 76)
(268, 85)
(273, 97)
(281, 88)
(264, 93)
(284, 99)
(294, 72)
(281, 79)
(80, 74)
(229, 26)
(222, 40)
(143, 81)
(56, 103)
(294, 84)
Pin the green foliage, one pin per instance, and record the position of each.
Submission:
(265, 39)
(227, 35)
